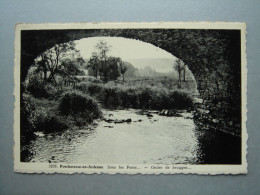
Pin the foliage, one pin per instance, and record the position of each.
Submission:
(137, 96)
(40, 89)
(103, 65)
(40, 115)
(123, 69)
(93, 65)
(62, 59)
(131, 70)
(111, 71)
(79, 106)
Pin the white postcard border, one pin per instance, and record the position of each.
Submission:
(128, 169)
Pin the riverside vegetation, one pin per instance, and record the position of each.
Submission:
(47, 108)
(55, 100)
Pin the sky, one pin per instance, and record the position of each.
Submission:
(123, 48)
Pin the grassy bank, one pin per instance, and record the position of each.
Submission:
(48, 109)
(141, 95)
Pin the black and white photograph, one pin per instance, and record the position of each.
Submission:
(130, 98)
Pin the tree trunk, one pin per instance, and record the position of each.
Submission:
(180, 77)
(184, 74)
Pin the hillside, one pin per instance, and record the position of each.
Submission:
(163, 65)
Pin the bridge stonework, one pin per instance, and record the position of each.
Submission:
(213, 56)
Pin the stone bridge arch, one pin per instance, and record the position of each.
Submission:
(213, 56)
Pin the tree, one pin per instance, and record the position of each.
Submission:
(131, 70)
(70, 67)
(53, 61)
(123, 69)
(184, 73)
(112, 70)
(103, 49)
(93, 64)
(179, 67)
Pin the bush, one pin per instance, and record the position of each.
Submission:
(79, 106)
(110, 97)
(180, 100)
(45, 120)
(89, 88)
(140, 96)
(40, 89)
(40, 115)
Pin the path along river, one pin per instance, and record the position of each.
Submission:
(152, 140)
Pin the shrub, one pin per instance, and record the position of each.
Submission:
(110, 97)
(46, 121)
(39, 115)
(79, 106)
(36, 88)
(144, 96)
(40, 89)
(137, 95)
(180, 100)
(89, 88)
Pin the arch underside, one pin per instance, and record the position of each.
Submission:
(213, 56)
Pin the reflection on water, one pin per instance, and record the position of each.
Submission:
(153, 140)
(146, 139)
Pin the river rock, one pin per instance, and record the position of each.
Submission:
(108, 120)
(109, 126)
(142, 112)
(128, 120)
(149, 115)
(118, 121)
(169, 113)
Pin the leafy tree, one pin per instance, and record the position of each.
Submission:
(112, 70)
(131, 70)
(102, 64)
(54, 61)
(93, 64)
(70, 67)
(123, 69)
(103, 49)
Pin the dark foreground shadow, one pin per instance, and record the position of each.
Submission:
(216, 147)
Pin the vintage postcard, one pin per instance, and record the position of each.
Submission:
(130, 98)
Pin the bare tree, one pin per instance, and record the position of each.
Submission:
(179, 67)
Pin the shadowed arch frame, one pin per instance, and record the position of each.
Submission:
(213, 56)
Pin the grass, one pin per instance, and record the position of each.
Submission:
(140, 93)
(161, 82)
(50, 108)
(53, 109)
(45, 107)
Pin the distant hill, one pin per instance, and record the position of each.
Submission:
(163, 65)
(150, 72)
(158, 67)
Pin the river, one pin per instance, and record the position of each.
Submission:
(153, 140)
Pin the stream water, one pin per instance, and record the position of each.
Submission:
(146, 139)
